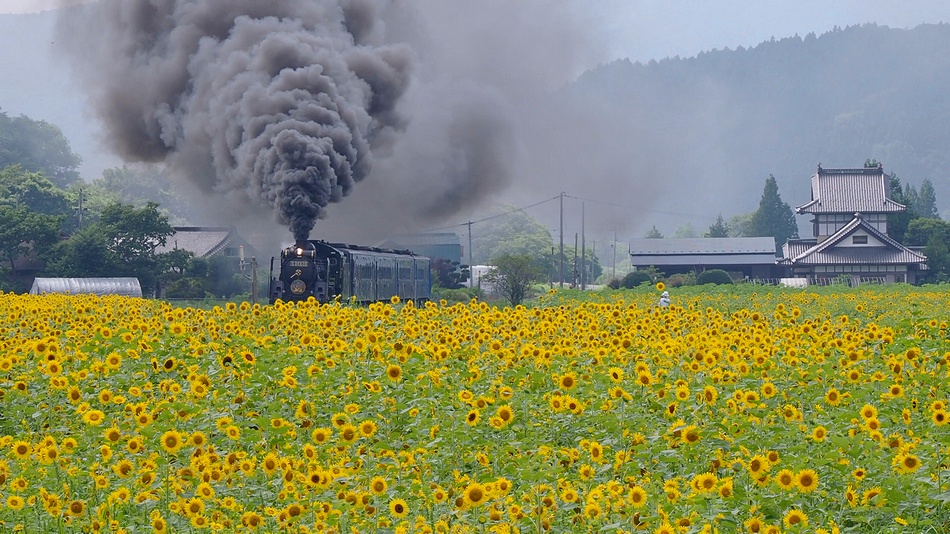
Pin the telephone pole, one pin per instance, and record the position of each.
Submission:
(560, 271)
(583, 250)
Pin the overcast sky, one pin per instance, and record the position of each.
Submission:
(654, 29)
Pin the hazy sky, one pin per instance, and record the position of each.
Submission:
(653, 29)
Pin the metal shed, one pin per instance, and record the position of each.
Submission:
(128, 287)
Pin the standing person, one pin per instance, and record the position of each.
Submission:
(664, 300)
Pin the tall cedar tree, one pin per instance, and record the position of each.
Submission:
(719, 228)
(897, 223)
(927, 200)
(774, 218)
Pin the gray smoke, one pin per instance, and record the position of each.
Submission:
(279, 101)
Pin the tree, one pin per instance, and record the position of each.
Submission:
(513, 275)
(927, 200)
(138, 186)
(774, 218)
(897, 223)
(32, 191)
(22, 231)
(449, 274)
(515, 233)
(933, 235)
(39, 147)
(654, 233)
(718, 229)
(121, 242)
(85, 254)
(741, 225)
(685, 230)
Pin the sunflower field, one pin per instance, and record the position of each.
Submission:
(737, 410)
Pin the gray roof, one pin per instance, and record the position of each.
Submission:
(96, 286)
(850, 191)
(430, 238)
(200, 241)
(703, 251)
(703, 245)
(827, 253)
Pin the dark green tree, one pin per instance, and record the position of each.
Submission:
(39, 147)
(32, 191)
(23, 232)
(86, 253)
(121, 242)
(718, 229)
(933, 235)
(653, 233)
(513, 275)
(774, 218)
(449, 274)
(927, 200)
(897, 223)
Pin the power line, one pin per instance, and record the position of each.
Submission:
(497, 215)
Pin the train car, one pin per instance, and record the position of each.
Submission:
(328, 271)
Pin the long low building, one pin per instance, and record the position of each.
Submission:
(752, 257)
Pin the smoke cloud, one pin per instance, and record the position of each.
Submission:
(279, 102)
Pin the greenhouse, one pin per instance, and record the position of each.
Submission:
(128, 287)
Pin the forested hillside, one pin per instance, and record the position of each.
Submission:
(732, 117)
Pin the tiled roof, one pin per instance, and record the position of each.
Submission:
(850, 191)
(826, 252)
(200, 241)
(861, 255)
(702, 245)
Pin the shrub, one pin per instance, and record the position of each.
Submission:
(679, 280)
(635, 278)
(713, 276)
(185, 288)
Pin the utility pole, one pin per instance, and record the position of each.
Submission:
(471, 261)
(574, 278)
(253, 276)
(561, 234)
(593, 254)
(81, 209)
(614, 262)
(583, 250)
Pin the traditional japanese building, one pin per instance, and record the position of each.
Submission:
(742, 257)
(849, 209)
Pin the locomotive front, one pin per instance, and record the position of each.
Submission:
(300, 272)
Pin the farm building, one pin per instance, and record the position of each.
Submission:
(207, 241)
(446, 245)
(743, 257)
(128, 287)
(849, 209)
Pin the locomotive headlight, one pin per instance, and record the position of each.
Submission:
(299, 251)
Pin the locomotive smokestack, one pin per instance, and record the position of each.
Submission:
(273, 102)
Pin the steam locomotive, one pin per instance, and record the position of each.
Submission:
(327, 271)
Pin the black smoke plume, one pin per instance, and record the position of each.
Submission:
(274, 101)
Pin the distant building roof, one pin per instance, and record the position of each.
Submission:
(96, 286)
(852, 191)
(202, 241)
(425, 239)
(810, 252)
(703, 251)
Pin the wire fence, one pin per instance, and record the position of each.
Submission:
(821, 281)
